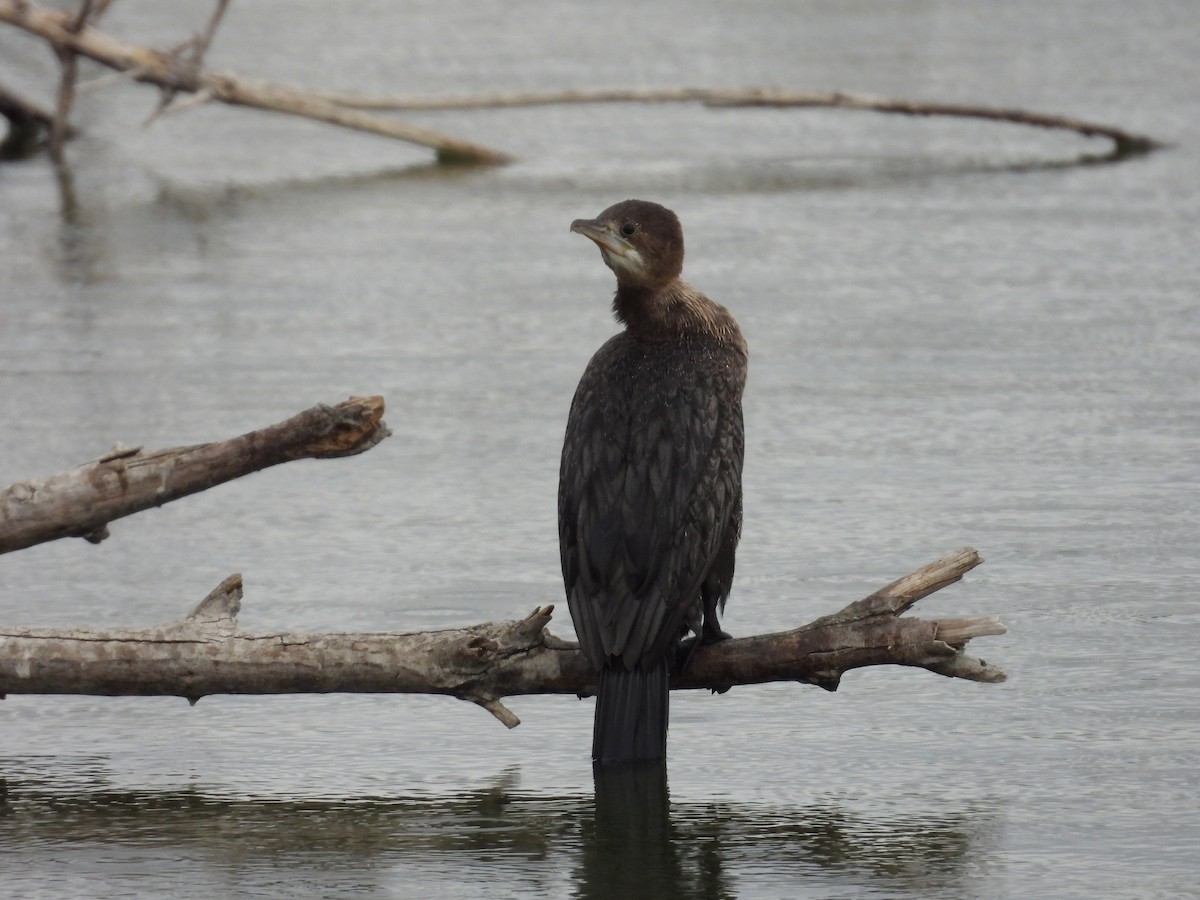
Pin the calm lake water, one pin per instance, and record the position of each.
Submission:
(959, 336)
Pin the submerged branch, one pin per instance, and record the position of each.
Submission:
(80, 502)
(176, 75)
(206, 654)
(1125, 143)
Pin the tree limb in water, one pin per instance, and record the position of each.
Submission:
(174, 74)
(206, 653)
(71, 35)
(80, 502)
(1125, 143)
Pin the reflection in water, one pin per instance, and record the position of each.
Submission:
(82, 246)
(628, 845)
(198, 202)
(627, 841)
(84, 254)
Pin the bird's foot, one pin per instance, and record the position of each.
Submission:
(687, 647)
(713, 634)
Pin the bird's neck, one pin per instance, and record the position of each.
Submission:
(671, 311)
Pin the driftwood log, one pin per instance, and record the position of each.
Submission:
(181, 71)
(206, 653)
(80, 502)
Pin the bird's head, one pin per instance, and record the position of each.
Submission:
(640, 241)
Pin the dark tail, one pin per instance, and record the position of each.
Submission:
(631, 714)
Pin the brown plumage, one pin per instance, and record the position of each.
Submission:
(650, 488)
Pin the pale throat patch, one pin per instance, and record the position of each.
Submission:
(630, 262)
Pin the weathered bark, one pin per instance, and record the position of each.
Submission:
(80, 502)
(206, 654)
(176, 75)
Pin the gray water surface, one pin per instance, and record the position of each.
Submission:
(960, 335)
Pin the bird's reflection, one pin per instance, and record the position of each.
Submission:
(628, 847)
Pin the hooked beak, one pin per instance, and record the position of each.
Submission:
(604, 238)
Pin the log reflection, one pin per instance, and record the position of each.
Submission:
(627, 840)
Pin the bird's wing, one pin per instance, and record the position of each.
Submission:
(651, 473)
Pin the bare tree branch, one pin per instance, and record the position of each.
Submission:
(206, 654)
(62, 108)
(194, 63)
(170, 73)
(66, 85)
(176, 75)
(80, 502)
(1125, 143)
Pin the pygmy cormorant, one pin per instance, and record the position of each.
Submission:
(650, 488)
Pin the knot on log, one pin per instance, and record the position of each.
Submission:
(97, 535)
(826, 680)
(21, 492)
(494, 646)
(494, 643)
(481, 647)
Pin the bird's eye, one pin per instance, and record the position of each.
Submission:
(628, 228)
